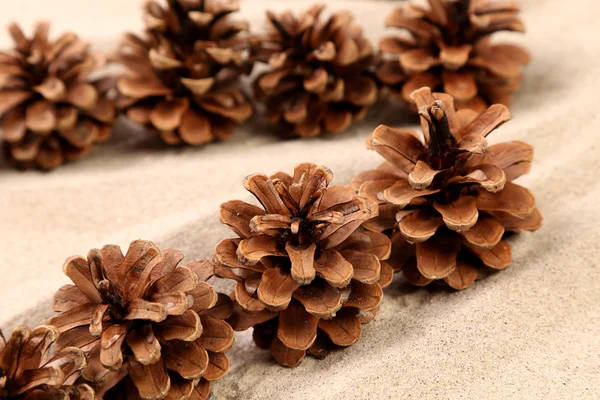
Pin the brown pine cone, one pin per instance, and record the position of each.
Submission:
(49, 110)
(152, 329)
(448, 193)
(183, 72)
(307, 275)
(31, 369)
(449, 49)
(319, 74)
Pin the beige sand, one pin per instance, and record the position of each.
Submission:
(532, 331)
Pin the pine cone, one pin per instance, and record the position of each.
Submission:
(307, 275)
(319, 72)
(449, 194)
(448, 48)
(49, 111)
(153, 329)
(183, 72)
(31, 370)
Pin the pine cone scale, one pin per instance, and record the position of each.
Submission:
(455, 57)
(78, 316)
(12, 98)
(152, 381)
(436, 259)
(366, 266)
(463, 276)
(487, 121)
(365, 296)
(485, 234)
(217, 366)
(459, 215)
(144, 345)
(180, 280)
(206, 299)
(369, 243)
(498, 257)
(245, 300)
(402, 194)
(139, 88)
(52, 89)
(321, 301)
(111, 340)
(302, 259)
(175, 303)
(419, 226)
(189, 361)
(343, 330)
(276, 289)
(509, 222)
(334, 268)
(285, 355)
(13, 126)
(514, 200)
(297, 328)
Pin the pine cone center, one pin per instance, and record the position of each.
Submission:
(458, 31)
(111, 296)
(299, 233)
(442, 153)
(7, 387)
(189, 31)
(38, 73)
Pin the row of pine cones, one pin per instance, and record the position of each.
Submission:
(318, 74)
(309, 264)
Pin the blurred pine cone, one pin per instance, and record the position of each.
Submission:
(448, 193)
(307, 275)
(49, 110)
(31, 369)
(448, 48)
(184, 72)
(319, 74)
(152, 329)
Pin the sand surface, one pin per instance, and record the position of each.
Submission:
(532, 331)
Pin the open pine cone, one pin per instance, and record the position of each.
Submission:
(449, 48)
(49, 111)
(449, 194)
(183, 72)
(153, 330)
(307, 275)
(319, 73)
(30, 369)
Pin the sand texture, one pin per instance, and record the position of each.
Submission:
(529, 332)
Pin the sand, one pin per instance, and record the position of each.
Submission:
(531, 331)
